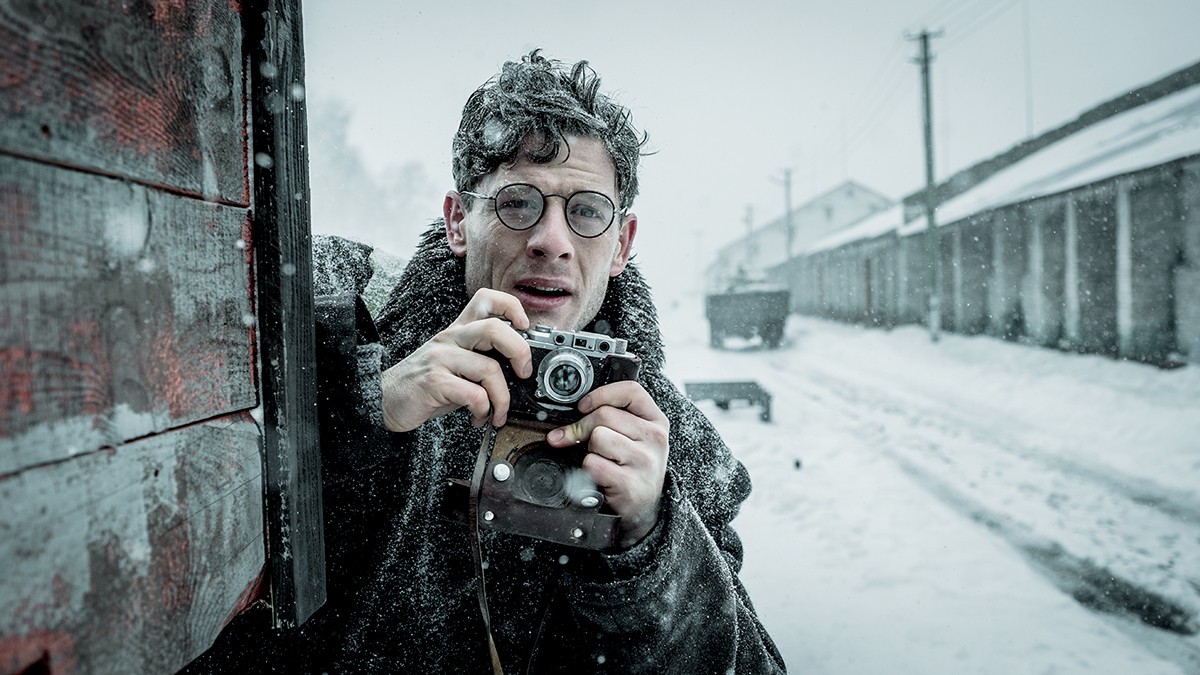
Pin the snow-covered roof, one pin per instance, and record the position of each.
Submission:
(1146, 136)
(870, 227)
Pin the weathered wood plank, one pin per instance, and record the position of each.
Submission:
(283, 258)
(131, 560)
(123, 311)
(151, 91)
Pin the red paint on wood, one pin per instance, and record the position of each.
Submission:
(16, 383)
(87, 337)
(11, 74)
(176, 368)
(168, 374)
(19, 380)
(118, 101)
(41, 649)
(169, 14)
(152, 91)
(256, 590)
(45, 644)
(170, 578)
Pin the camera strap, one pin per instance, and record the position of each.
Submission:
(481, 462)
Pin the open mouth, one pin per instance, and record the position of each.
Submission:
(543, 291)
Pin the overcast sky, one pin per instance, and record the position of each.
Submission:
(733, 93)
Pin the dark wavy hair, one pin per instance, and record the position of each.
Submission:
(540, 101)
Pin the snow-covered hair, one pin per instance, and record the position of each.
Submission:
(531, 107)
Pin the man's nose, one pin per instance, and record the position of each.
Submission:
(551, 237)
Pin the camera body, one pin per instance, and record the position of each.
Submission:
(566, 366)
(528, 487)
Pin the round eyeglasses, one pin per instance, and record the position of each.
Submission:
(520, 206)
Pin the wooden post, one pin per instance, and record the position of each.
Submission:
(931, 235)
(283, 261)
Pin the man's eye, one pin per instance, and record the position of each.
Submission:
(586, 212)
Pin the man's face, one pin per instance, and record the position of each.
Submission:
(559, 277)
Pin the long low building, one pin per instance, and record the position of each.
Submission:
(1090, 243)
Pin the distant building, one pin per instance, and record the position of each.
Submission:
(1086, 238)
(772, 243)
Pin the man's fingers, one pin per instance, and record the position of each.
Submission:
(473, 397)
(446, 379)
(607, 473)
(488, 303)
(481, 327)
(617, 448)
(483, 372)
(494, 334)
(453, 369)
(628, 395)
(582, 429)
(621, 406)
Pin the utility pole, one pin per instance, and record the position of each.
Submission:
(1028, 75)
(789, 228)
(787, 210)
(933, 248)
(751, 245)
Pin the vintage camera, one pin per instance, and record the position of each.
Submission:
(527, 487)
(566, 366)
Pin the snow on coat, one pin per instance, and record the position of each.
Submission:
(402, 580)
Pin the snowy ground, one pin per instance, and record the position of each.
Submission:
(953, 501)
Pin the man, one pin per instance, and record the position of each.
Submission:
(537, 232)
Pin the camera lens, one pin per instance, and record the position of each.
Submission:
(564, 380)
(565, 376)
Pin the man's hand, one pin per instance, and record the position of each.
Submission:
(450, 372)
(627, 439)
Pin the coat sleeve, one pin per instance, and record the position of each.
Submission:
(674, 603)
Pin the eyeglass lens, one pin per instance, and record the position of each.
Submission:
(520, 206)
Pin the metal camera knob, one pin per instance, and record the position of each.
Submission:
(588, 499)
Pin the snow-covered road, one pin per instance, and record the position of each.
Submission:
(962, 507)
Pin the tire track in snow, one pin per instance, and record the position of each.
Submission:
(1062, 518)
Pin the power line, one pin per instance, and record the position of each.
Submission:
(876, 111)
(965, 11)
(929, 16)
(843, 142)
(886, 84)
(980, 22)
(962, 18)
(890, 68)
(972, 13)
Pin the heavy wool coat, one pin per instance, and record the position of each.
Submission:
(402, 579)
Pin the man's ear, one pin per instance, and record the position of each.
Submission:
(624, 244)
(455, 214)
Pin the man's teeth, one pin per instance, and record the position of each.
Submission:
(545, 289)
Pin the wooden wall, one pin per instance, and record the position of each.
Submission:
(132, 520)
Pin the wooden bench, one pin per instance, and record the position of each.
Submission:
(725, 392)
